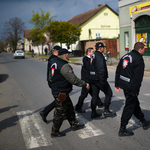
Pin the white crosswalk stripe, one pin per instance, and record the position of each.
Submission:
(33, 133)
(120, 97)
(147, 94)
(90, 130)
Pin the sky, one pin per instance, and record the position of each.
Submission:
(62, 9)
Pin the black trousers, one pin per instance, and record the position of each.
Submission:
(132, 106)
(49, 108)
(96, 87)
(84, 94)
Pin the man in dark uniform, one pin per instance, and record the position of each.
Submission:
(62, 78)
(98, 78)
(51, 106)
(85, 72)
(129, 76)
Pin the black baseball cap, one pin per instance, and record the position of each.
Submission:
(63, 51)
(99, 44)
(56, 48)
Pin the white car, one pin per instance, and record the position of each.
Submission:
(19, 54)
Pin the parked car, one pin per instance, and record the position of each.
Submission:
(19, 54)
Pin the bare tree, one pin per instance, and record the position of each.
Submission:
(13, 31)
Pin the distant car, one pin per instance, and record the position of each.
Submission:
(19, 54)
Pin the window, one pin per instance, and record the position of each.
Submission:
(142, 37)
(126, 40)
(97, 35)
(105, 14)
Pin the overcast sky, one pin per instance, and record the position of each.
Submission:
(61, 9)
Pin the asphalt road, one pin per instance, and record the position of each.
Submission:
(24, 92)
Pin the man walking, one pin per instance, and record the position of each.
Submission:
(85, 72)
(62, 78)
(51, 106)
(98, 78)
(129, 76)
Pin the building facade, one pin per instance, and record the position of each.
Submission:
(134, 21)
(99, 23)
(29, 45)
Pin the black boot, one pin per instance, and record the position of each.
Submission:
(94, 114)
(124, 132)
(108, 113)
(100, 105)
(78, 127)
(59, 134)
(146, 124)
(80, 110)
(43, 116)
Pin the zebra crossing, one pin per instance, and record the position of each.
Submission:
(35, 135)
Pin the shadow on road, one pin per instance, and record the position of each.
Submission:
(137, 123)
(7, 108)
(7, 62)
(9, 122)
(3, 77)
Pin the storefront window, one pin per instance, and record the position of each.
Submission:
(142, 37)
(126, 40)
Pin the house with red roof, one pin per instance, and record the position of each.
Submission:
(99, 23)
(29, 44)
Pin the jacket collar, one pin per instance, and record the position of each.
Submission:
(61, 57)
(98, 52)
(136, 52)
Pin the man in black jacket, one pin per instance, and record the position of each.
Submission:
(62, 78)
(85, 72)
(129, 76)
(98, 78)
(51, 106)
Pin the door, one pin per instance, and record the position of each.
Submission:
(142, 28)
(111, 45)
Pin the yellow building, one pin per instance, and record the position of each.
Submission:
(99, 23)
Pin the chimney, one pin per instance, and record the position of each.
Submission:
(100, 5)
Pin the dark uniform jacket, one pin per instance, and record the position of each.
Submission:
(48, 67)
(98, 68)
(130, 71)
(85, 70)
(62, 77)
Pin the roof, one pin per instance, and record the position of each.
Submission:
(26, 34)
(81, 18)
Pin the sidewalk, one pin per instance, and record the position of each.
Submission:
(115, 63)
